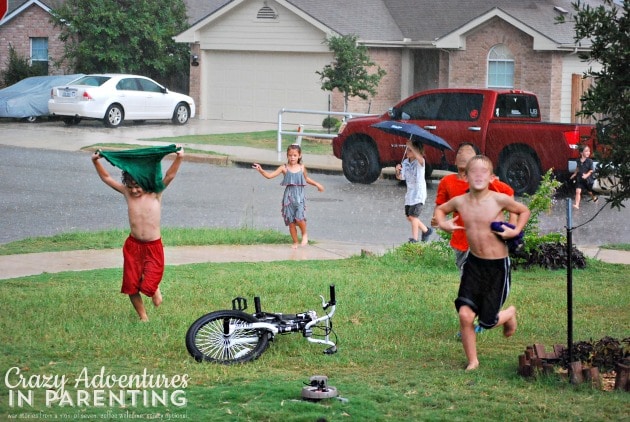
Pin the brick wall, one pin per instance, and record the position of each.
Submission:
(33, 22)
(538, 72)
(388, 90)
(535, 71)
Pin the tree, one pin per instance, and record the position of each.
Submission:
(349, 71)
(125, 36)
(607, 27)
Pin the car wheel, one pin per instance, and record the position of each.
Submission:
(31, 119)
(521, 171)
(181, 114)
(71, 121)
(114, 116)
(360, 161)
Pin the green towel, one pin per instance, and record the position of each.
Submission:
(143, 164)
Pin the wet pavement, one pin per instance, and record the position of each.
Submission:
(49, 187)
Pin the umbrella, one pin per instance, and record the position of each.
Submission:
(412, 132)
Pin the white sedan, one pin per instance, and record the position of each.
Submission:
(114, 98)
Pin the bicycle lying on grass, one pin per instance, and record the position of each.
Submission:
(234, 336)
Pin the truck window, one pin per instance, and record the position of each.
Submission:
(516, 105)
(454, 106)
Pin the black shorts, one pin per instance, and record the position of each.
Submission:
(484, 287)
(413, 210)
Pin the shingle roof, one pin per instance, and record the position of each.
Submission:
(418, 20)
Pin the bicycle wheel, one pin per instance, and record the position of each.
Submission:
(219, 337)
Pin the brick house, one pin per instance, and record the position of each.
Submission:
(28, 29)
(257, 56)
(254, 57)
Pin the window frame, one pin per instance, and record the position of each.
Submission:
(504, 59)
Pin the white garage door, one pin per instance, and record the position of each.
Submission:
(251, 86)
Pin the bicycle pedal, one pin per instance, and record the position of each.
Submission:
(331, 350)
(239, 303)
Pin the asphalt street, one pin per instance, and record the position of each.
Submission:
(50, 191)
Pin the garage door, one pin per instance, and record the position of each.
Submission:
(251, 86)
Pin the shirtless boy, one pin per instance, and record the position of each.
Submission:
(485, 281)
(143, 251)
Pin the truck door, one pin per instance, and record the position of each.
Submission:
(454, 116)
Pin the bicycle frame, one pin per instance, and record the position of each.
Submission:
(234, 336)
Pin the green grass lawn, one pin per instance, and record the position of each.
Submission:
(264, 140)
(399, 358)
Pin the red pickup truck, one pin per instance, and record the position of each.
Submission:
(505, 125)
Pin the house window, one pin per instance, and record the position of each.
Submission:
(500, 67)
(39, 55)
(266, 13)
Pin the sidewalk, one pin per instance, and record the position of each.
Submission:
(14, 266)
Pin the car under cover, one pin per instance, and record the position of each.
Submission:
(29, 97)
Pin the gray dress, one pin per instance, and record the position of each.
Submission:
(293, 200)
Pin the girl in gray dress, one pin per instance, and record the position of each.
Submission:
(293, 200)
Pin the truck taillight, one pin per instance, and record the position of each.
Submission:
(572, 139)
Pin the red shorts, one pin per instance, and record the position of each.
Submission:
(143, 266)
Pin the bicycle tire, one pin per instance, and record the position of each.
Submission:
(206, 339)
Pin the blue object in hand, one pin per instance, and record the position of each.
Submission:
(514, 244)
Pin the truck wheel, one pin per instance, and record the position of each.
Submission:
(360, 161)
(520, 170)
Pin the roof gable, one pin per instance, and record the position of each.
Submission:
(457, 38)
(225, 8)
(15, 8)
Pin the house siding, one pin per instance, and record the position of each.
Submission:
(33, 22)
(240, 30)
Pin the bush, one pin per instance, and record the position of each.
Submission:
(603, 354)
(331, 123)
(18, 68)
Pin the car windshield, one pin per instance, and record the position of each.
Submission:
(91, 80)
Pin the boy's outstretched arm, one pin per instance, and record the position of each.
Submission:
(104, 174)
(172, 170)
(440, 214)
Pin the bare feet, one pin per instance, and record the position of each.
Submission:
(472, 366)
(157, 298)
(304, 239)
(577, 207)
(509, 328)
(294, 246)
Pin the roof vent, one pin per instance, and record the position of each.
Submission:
(560, 10)
(266, 12)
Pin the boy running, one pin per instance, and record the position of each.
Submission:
(143, 251)
(485, 281)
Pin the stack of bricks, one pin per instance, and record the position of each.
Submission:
(535, 360)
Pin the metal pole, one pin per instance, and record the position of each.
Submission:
(570, 280)
(280, 134)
